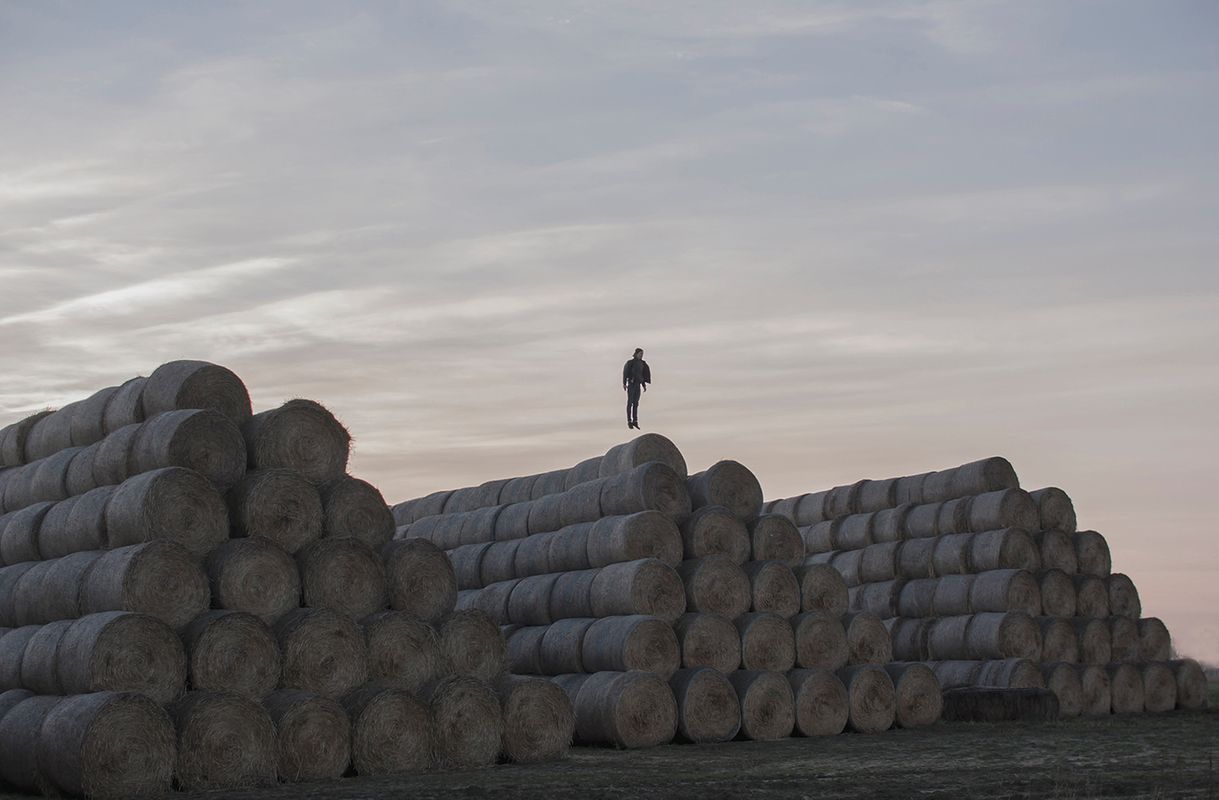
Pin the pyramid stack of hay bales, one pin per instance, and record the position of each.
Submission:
(179, 574)
(989, 585)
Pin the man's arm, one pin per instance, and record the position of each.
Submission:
(626, 374)
(647, 375)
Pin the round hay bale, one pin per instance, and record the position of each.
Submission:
(889, 525)
(1011, 673)
(1009, 548)
(868, 639)
(715, 585)
(587, 470)
(952, 595)
(773, 587)
(809, 509)
(50, 480)
(917, 598)
(878, 562)
(916, 559)
(517, 490)
(1123, 596)
(300, 435)
(9, 578)
(390, 731)
(640, 450)
(420, 578)
(647, 586)
(1096, 698)
(195, 384)
(842, 501)
(10, 698)
(714, 530)
(462, 500)
(1054, 509)
(278, 505)
(1125, 688)
(877, 495)
(471, 645)
(1063, 680)
(821, 588)
(872, 700)
(112, 460)
(768, 705)
(581, 503)
(1092, 553)
(513, 521)
(854, 532)
(909, 638)
(312, 736)
(123, 652)
(918, 699)
(956, 674)
(538, 720)
(253, 575)
(231, 651)
(821, 537)
(729, 484)
(1005, 590)
(479, 525)
(1006, 508)
(648, 487)
(88, 417)
(566, 549)
(173, 504)
(767, 642)
(1008, 635)
(820, 702)
(708, 640)
(523, 648)
(821, 640)
(51, 590)
(199, 439)
(224, 742)
(548, 483)
(323, 652)
(79, 478)
(498, 562)
(1123, 639)
(707, 706)
(1057, 550)
(467, 562)
(624, 709)
(1058, 640)
(466, 720)
(19, 532)
(648, 534)
(635, 642)
(12, 650)
(13, 439)
(125, 407)
(37, 668)
(946, 639)
(1095, 640)
(1191, 683)
(53, 534)
(1091, 596)
(530, 601)
(923, 521)
(561, 646)
(880, 599)
(343, 574)
(546, 514)
(774, 537)
(986, 475)
(106, 744)
(1057, 593)
(491, 600)
(85, 527)
(410, 511)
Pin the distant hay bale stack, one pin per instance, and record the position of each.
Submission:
(1057, 593)
(821, 702)
(729, 484)
(1054, 509)
(821, 589)
(918, 698)
(1058, 640)
(773, 587)
(648, 487)
(106, 745)
(198, 439)
(390, 731)
(232, 651)
(403, 652)
(1191, 683)
(300, 435)
(1123, 596)
(421, 579)
(120, 651)
(872, 705)
(640, 450)
(624, 709)
(768, 706)
(255, 576)
(821, 640)
(1063, 680)
(714, 530)
(647, 534)
(278, 505)
(224, 742)
(1125, 688)
(708, 640)
(195, 384)
(355, 509)
(715, 585)
(345, 575)
(635, 642)
(767, 642)
(312, 736)
(1094, 682)
(868, 640)
(538, 721)
(1095, 640)
(472, 646)
(1159, 687)
(1092, 553)
(466, 720)
(19, 739)
(708, 709)
(323, 652)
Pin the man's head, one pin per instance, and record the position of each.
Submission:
(638, 352)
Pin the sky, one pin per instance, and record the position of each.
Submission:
(855, 239)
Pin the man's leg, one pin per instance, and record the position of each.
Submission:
(632, 404)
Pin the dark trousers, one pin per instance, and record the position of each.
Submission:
(632, 401)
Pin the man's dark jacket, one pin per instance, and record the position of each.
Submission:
(636, 371)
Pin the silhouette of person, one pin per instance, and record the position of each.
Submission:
(635, 379)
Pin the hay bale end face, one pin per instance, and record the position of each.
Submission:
(708, 640)
(323, 652)
(538, 719)
(278, 505)
(255, 576)
(821, 702)
(390, 731)
(467, 722)
(224, 742)
(158, 578)
(312, 736)
(421, 579)
(625, 709)
(768, 706)
(472, 646)
(708, 709)
(729, 484)
(300, 435)
(345, 575)
(121, 651)
(232, 651)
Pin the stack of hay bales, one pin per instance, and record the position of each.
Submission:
(197, 596)
(667, 605)
(993, 586)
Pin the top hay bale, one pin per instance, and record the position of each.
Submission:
(300, 435)
(729, 484)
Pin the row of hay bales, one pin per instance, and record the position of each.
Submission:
(666, 605)
(207, 600)
(991, 585)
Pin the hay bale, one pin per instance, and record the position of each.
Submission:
(224, 742)
(918, 699)
(546, 514)
(1059, 642)
(1063, 680)
(498, 562)
(253, 575)
(466, 720)
(647, 586)
(580, 503)
(773, 587)
(117, 651)
(867, 638)
(172, 503)
(872, 700)
(1057, 550)
(956, 674)
(1005, 590)
(11, 697)
(50, 591)
(1095, 640)
(38, 659)
(587, 470)
(767, 642)
(112, 459)
(490, 600)
(623, 709)
(1123, 639)
(714, 530)
(848, 563)
(916, 559)
(774, 537)
(479, 525)
(1091, 596)
(1006, 508)
(323, 652)
(300, 435)
(231, 651)
(467, 563)
(878, 562)
(821, 702)
(195, 384)
(1123, 596)
(13, 439)
(1058, 596)
(1092, 553)
(821, 588)
(343, 574)
(548, 483)
(881, 599)
(877, 495)
(420, 578)
(561, 646)
(1191, 683)
(1054, 509)
(471, 645)
(19, 534)
(523, 648)
(76, 525)
(821, 537)
(635, 642)
(1004, 635)
(12, 650)
(49, 480)
(648, 487)
(198, 439)
(993, 704)
(125, 407)
(729, 484)
(530, 601)
(563, 550)
(1011, 673)
(516, 490)
(820, 639)
(917, 598)
(707, 706)
(1125, 688)
(538, 721)
(715, 585)
(88, 424)
(909, 638)
(409, 511)
(854, 532)
(708, 640)
(278, 505)
(312, 736)
(640, 450)
(768, 705)
(1009, 548)
(79, 477)
(1096, 698)
(390, 731)
(403, 651)
(647, 534)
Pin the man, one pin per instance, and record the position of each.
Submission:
(635, 378)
